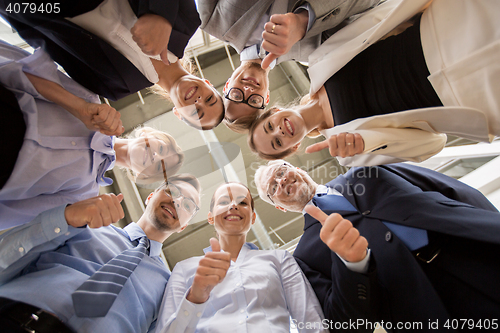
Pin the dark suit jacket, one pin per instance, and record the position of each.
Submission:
(87, 58)
(395, 289)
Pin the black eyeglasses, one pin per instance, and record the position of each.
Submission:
(236, 95)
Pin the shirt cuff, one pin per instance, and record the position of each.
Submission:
(252, 53)
(189, 313)
(249, 53)
(360, 266)
(312, 16)
(54, 224)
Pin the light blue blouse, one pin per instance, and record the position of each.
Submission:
(61, 161)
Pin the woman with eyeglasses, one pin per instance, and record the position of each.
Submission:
(53, 158)
(379, 100)
(235, 284)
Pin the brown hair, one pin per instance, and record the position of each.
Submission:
(187, 178)
(212, 202)
(241, 124)
(251, 142)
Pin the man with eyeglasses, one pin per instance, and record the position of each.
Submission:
(392, 244)
(268, 32)
(69, 270)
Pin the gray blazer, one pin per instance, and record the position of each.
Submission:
(234, 21)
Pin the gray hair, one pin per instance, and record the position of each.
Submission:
(259, 173)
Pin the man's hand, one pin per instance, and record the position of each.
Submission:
(95, 212)
(339, 235)
(211, 271)
(152, 33)
(288, 29)
(101, 117)
(343, 145)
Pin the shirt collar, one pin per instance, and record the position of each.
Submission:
(322, 189)
(135, 232)
(250, 246)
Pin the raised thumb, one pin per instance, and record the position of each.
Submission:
(214, 243)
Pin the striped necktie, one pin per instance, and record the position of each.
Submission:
(95, 296)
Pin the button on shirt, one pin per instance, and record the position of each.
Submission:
(261, 290)
(58, 258)
(61, 161)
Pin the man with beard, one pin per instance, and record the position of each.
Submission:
(293, 30)
(398, 244)
(60, 274)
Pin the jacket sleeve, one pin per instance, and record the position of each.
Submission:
(392, 145)
(23, 244)
(329, 14)
(430, 180)
(346, 297)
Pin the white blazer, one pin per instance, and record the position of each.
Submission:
(461, 44)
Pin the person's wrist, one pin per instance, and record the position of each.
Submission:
(196, 299)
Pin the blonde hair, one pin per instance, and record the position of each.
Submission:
(242, 124)
(188, 64)
(160, 135)
(251, 142)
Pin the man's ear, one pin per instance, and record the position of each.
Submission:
(294, 148)
(210, 218)
(149, 197)
(208, 82)
(267, 97)
(254, 216)
(177, 114)
(226, 86)
(281, 208)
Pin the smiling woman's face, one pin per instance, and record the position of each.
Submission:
(232, 213)
(196, 101)
(282, 130)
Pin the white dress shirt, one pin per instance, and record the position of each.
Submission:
(260, 293)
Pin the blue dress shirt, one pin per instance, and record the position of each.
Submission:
(260, 292)
(44, 261)
(61, 161)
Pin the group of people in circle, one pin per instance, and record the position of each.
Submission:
(389, 80)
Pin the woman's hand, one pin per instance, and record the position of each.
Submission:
(211, 271)
(101, 117)
(343, 145)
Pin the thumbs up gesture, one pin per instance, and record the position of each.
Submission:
(343, 145)
(339, 235)
(211, 271)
